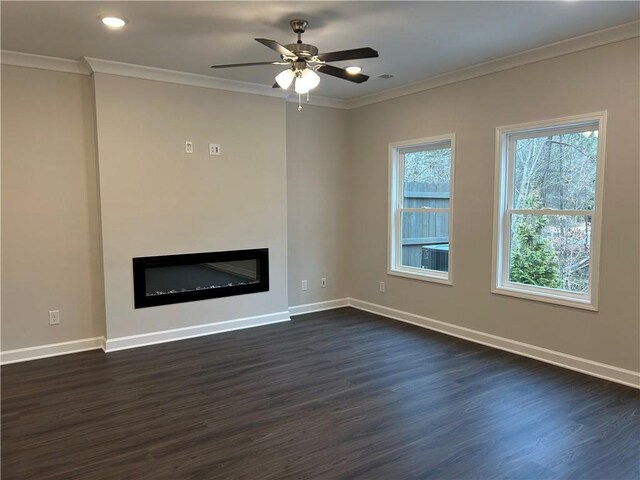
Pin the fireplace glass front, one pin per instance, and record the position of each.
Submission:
(169, 279)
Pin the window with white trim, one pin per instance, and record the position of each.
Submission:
(420, 206)
(548, 195)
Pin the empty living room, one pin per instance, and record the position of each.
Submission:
(376, 240)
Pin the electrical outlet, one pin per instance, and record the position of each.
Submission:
(323, 282)
(54, 317)
(304, 285)
(188, 147)
(382, 287)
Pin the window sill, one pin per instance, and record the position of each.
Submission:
(557, 299)
(418, 275)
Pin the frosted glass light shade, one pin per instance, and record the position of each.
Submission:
(307, 80)
(284, 79)
(113, 22)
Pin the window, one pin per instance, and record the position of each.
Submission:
(420, 205)
(547, 219)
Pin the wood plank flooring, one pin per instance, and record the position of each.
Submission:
(341, 394)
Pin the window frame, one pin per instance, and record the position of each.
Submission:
(395, 209)
(505, 140)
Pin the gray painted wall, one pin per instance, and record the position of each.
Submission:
(328, 160)
(604, 78)
(51, 257)
(318, 191)
(157, 200)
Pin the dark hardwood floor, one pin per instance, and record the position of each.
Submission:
(337, 394)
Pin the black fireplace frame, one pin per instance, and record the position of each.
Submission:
(140, 264)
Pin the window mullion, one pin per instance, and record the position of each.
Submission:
(550, 211)
(578, 128)
(424, 210)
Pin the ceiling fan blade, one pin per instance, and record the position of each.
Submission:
(249, 64)
(275, 85)
(354, 54)
(273, 45)
(342, 73)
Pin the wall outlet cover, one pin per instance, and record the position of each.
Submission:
(54, 317)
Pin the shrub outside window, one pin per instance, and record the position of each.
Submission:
(420, 208)
(549, 179)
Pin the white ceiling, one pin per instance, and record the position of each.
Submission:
(416, 40)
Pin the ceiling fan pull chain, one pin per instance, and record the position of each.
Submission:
(299, 102)
(307, 97)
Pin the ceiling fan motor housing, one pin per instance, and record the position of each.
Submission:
(303, 50)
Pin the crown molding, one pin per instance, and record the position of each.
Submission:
(173, 76)
(42, 62)
(89, 65)
(545, 52)
(317, 101)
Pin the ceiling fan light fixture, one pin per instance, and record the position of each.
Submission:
(284, 78)
(113, 22)
(304, 60)
(307, 80)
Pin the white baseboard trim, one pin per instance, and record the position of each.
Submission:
(52, 350)
(134, 341)
(318, 306)
(583, 365)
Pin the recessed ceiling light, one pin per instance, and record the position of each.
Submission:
(353, 70)
(113, 22)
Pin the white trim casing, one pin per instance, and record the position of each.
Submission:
(394, 227)
(318, 306)
(582, 365)
(98, 65)
(578, 364)
(599, 38)
(56, 64)
(590, 40)
(51, 350)
(501, 235)
(134, 341)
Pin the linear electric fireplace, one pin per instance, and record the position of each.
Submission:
(198, 276)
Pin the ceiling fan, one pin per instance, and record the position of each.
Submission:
(304, 61)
